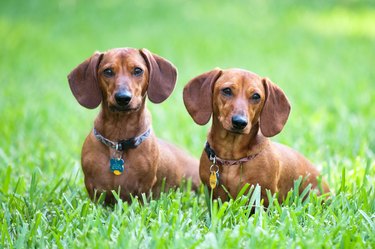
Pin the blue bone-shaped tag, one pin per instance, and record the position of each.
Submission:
(116, 166)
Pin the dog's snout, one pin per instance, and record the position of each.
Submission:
(123, 97)
(239, 122)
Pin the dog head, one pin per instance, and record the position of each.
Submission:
(238, 99)
(121, 77)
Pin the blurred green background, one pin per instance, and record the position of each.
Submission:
(321, 53)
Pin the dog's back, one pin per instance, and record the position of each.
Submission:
(292, 166)
(175, 164)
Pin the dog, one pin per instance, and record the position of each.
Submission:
(122, 152)
(246, 110)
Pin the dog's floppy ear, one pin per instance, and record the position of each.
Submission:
(162, 78)
(275, 111)
(198, 96)
(84, 84)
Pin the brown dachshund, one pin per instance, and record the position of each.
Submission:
(246, 109)
(122, 152)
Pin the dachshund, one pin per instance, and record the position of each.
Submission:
(122, 152)
(246, 110)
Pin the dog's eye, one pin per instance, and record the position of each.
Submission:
(137, 71)
(255, 96)
(226, 91)
(108, 72)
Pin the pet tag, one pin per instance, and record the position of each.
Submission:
(214, 179)
(117, 166)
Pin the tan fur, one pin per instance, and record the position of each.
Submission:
(276, 166)
(153, 160)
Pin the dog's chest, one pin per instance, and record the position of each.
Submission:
(235, 176)
(137, 176)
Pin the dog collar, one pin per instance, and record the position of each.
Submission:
(224, 162)
(214, 178)
(123, 145)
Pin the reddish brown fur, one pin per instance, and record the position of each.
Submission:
(276, 166)
(153, 160)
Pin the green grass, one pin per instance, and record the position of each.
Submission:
(321, 53)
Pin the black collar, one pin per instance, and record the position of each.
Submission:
(123, 144)
(210, 152)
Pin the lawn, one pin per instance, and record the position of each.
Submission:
(321, 53)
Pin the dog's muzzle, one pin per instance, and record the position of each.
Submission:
(123, 98)
(239, 122)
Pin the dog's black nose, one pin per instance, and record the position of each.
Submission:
(123, 98)
(239, 122)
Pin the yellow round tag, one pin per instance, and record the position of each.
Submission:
(117, 172)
